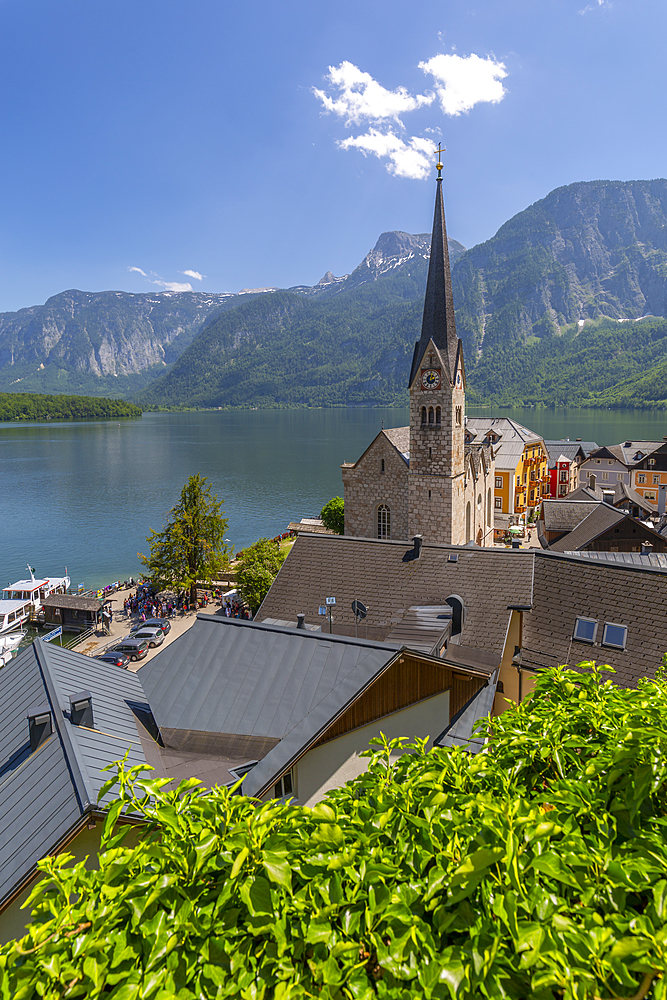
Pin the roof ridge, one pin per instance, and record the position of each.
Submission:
(76, 767)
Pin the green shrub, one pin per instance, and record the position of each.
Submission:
(534, 869)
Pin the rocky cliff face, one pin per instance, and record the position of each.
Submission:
(587, 250)
(105, 333)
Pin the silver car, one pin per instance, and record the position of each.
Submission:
(153, 636)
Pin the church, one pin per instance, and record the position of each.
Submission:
(424, 479)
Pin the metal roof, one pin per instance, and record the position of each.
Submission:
(423, 627)
(646, 560)
(229, 676)
(72, 601)
(44, 795)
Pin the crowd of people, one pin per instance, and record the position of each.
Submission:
(147, 604)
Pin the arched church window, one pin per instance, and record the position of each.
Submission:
(489, 522)
(423, 414)
(479, 501)
(430, 414)
(468, 535)
(382, 466)
(384, 521)
(438, 416)
(458, 416)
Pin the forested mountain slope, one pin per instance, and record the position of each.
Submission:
(592, 249)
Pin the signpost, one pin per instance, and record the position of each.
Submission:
(53, 635)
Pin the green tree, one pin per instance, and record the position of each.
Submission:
(190, 549)
(333, 515)
(257, 570)
(536, 868)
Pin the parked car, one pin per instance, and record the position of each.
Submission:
(118, 659)
(162, 623)
(135, 648)
(153, 636)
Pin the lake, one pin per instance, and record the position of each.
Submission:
(85, 494)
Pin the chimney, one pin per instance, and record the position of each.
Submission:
(577, 439)
(81, 709)
(647, 548)
(301, 620)
(40, 725)
(417, 541)
(516, 544)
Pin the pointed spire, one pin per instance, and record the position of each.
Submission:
(438, 323)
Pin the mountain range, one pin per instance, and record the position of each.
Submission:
(540, 308)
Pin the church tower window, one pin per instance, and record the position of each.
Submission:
(423, 414)
(382, 466)
(384, 521)
(430, 415)
(438, 416)
(458, 416)
(468, 535)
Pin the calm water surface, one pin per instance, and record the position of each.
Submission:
(84, 495)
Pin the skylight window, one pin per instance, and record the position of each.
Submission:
(615, 636)
(585, 630)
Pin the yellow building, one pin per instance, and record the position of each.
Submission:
(522, 462)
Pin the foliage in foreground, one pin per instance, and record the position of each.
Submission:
(333, 515)
(191, 547)
(536, 869)
(257, 570)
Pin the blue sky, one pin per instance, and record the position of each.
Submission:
(235, 141)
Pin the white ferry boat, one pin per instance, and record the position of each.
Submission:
(23, 598)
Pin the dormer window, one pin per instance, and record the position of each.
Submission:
(637, 456)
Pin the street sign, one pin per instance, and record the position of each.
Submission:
(52, 635)
(331, 600)
(359, 609)
(322, 610)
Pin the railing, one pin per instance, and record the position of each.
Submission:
(81, 637)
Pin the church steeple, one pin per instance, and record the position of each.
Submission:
(438, 324)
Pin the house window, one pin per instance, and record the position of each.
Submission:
(458, 416)
(284, 786)
(649, 496)
(610, 461)
(585, 629)
(532, 496)
(499, 503)
(518, 482)
(605, 475)
(563, 477)
(656, 480)
(651, 461)
(562, 491)
(525, 478)
(499, 482)
(615, 636)
(384, 521)
(641, 478)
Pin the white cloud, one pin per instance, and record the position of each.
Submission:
(464, 81)
(595, 6)
(174, 286)
(360, 97)
(138, 270)
(413, 158)
(194, 274)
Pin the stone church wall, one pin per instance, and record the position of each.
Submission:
(367, 486)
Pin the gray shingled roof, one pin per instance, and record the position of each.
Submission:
(565, 515)
(45, 795)
(229, 676)
(600, 519)
(386, 577)
(569, 449)
(622, 593)
(400, 438)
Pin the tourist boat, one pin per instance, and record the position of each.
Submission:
(23, 598)
(9, 644)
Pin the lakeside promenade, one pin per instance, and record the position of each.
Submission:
(123, 622)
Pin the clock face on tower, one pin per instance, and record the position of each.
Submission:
(430, 378)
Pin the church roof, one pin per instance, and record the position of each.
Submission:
(438, 323)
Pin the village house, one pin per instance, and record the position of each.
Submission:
(565, 460)
(520, 475)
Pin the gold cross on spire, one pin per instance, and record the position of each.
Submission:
(441, 149)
